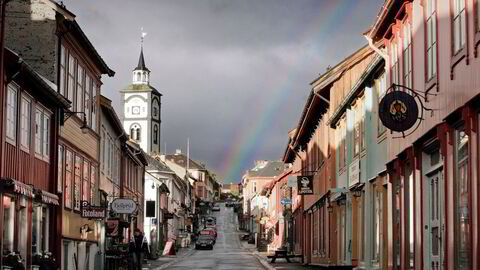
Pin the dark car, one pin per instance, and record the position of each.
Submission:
(204, 241)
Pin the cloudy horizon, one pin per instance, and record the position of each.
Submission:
(234, 74)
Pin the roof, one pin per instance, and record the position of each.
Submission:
(137, 152)
(155, 163)
(140, 87)
(388, 10)
(316, 107)
(15, 64)
(141, 62)
(267, 169)
(181, 160)
(109, 111)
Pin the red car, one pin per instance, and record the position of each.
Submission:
(209, 231)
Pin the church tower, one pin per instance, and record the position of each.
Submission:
(141, 108)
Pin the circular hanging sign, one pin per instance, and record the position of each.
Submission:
(398, 111)
(123, 206)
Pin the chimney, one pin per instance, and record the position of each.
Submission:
(178, 152)
(162, 158)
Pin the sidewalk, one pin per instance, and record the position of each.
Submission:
(164, 261)
(296, 263)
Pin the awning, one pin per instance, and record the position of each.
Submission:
(14, 186)
(47, 197)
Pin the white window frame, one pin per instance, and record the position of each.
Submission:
(12, 108)
(43, 127)
(407, 55)
(459, 26)
(431, 25)
(25, 123)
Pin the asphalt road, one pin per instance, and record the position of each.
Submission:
(227, 253)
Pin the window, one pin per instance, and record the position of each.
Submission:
(462, 207)
(87, 100)
(409, 189)
(361, 227)
(394, 60)
(254, 186)
(63, 64)
(381, 85)
(80, 90)
(315, 231)
(68, 178)
(95, 91)
(459, 25)
(77, 183)
(86, 181)
(46, 136)
(38, 132)
(407, 55)
(8, 223)
(93, 181)
(60, 168)
(103, 150)
(342, 146)
(71, 78)
(40, 228)
(478, 14)
(25, 123)
(155, 111)
(377, 226)
(155, 134)
(431, 39)
(358, 131)
(135, 132)
(12, 114)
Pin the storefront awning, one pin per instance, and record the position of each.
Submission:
(10, 185)
(47, 197)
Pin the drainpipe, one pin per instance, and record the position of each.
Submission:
(376, 49)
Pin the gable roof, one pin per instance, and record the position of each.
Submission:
(267, 169)
(181, 160)
(109, 111)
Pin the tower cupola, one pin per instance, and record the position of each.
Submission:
(141, 74)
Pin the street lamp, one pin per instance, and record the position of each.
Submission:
(67, 114)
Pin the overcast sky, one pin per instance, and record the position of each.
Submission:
(234, 74)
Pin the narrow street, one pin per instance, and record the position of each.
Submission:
(227, 253)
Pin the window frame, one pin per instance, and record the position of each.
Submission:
(476, 15)
(69, 178)
(11, 108)
(431, 15)
(462, 52)
(407, 53)
(381, 87)
(25, 128)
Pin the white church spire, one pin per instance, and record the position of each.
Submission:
(141, 74)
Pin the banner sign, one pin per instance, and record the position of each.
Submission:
(398, 111)
(285, 201)
(92, 212)
(305, 184)
(123, 206)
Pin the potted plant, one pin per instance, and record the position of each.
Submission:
(13, 260)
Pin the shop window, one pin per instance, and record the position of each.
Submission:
(462, 207)
(40, 229)
(86, 181)
(22, 227)
(68, 178)
(77, 183)
(12, 113)
(361, 227)
(315, 231)
(8, 223)
(459, 25)
(431, 39)
(409, 192)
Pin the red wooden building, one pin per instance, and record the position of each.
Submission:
(29, 206)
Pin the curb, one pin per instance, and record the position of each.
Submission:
(264, 263)
(188, 253)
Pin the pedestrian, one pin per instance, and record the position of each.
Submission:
(137, 247)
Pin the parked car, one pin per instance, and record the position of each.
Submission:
(215, 209)
(205, 241)
(209, 231)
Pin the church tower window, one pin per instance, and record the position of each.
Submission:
(155, 134)
(135, 132)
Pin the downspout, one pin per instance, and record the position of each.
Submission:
(376, 49)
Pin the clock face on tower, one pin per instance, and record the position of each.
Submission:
(136, 110)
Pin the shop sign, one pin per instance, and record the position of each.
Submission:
(354, 173)
(305, 184)
(286, 201)
(398, 111)
(123, 206)
(92, 212)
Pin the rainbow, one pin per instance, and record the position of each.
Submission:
(238, 158)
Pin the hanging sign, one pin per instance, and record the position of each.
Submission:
(123, 206)
(92, 212)
(354, 173)
(398, 111)
(285, 201)
(305, 184)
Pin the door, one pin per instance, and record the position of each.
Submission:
(434, 224)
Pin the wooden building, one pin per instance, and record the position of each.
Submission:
(432, 48)
(47, 34)
(30, 205)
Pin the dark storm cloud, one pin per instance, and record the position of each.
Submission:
(216, 62)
